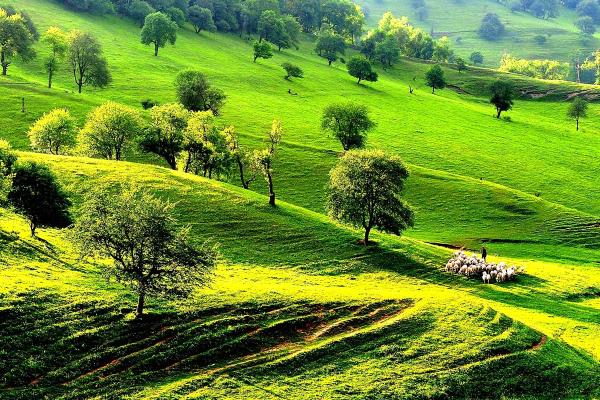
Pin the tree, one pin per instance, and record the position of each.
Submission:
(476, 58)
(589, 8)
(241, 157)
(37, 196)
(15, 39)
(349, 123)
(201, 19)
(364, 191)
(138, 10)
(502, 96)
(58, 42)
(262, 50)
(53, 132)
(435, 78)
(388, 51)
(491, 27)
(87, 62)
(8, 160)
(577, 109)
(109, 130)
(442, 51)
(159, 29)
(329, 45)
(263, 159)
(196, 94)
(586, 25)
(461, 65)
(139, 233)
(165, 136)
(361, 69)
(292, 71)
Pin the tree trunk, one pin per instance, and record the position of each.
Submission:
(255, 57)
(577, 123)
(50, 79)
(139, 311)
(271, 192)
(241, 167)
(155, 49)
(4, 68)
(433, 90)
(367, 232)
(79, 85)
(32, 227)
(3, 62)
(359, 79)
(499, 112)
(172, 163)
(330, 61)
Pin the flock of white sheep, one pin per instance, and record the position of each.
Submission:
(475, 267)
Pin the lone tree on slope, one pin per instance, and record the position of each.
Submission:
(196, 93)
(86, 61)
(364, 191)
(349, 123)
(139, 233)
(53, 132)
(435, 78)
(263, 159)
(577, 109)
(16, 39)
(262, 50)
(502, 96)
(361, 69)
(159, 29)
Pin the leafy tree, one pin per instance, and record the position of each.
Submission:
(502, 95)
(435, 78)
(586, 25)
(202, 19)
(577, 109)
(442, 51)
(491, 27)
(388, 51)
(53, 132)
(10, 11)
(8, 160)
(292, 71)
(58, 43)
(292, 30)
(251, 10)
(364, 191)
(109, 130)
(36, 194)
(196, 93)
(270, 26)
(589, 8)
(159, 29)
(263, 159)
(86, 61)
(140, 234)
(15, 39)
(241, 157)
(262, 50)
(361, 69)
(476, 58)
(165, 136)
(329, 45)
(138, 10)
(461, 65)
(176, 14)
(349, 123)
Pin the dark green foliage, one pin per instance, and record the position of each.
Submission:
(491, 27)
(36, 194)
(202, 19)
(349, 123)
(16, 39)
(196, 93)
(87, 61)
(159, 29)
(292, 71)
(435, 78)
(589, 8)
(502, 95)
(387, 51)
(586, 25)
(361, 69)
(476, 58)
(262, 50)
(461, 65)
(139, 233)
(329, 46)
(577, 109)
(364, 191)
(138, 10)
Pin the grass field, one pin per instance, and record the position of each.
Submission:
(460, 22)
(298, 309)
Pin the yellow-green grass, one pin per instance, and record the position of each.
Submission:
(461, 20)
(474, 177)
(297, 309)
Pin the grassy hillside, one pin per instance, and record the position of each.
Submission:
(460, 20)
(296, 310)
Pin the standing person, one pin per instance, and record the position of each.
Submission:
(484, 253)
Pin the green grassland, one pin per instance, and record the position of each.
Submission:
(460, 20)
(298, 309)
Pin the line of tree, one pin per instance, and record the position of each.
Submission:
(541, 69)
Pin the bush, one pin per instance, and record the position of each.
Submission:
(491, 27)
(149, 103)
(292, 71)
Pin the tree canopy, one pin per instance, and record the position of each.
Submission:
(502, 95)
(87, 61)
(577, 109)
(361, 69)
(159, 29)
(53, 132)
(15, 39)
(435, 78)
(195, 92)
(349, 123)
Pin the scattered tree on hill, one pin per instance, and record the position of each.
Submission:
(442, 51)
(138, 10)
(292, 71)
(10, 11)
(541, 69)
(110, 130)
(15, 39)
(364, 191)
(58, 42)
(491, 27)
(263, 159)
(165, 135)
(589, 8)
(140, 234)
(387, 52)
(87, 62)
(476, 58)
(159, 29)
(461, 65)
(502, 95)
(241, 158)
(349, 123)
(196, 93)
(262, 50)
(329, 45)
(361, 69)
(586, 25)
(435, 78)
(53, 132)
(36, 194)
(201, 19)
(577, 109)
